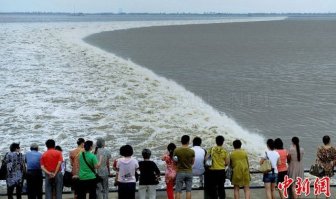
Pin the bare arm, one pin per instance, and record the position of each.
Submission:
(99, 162)
(45, 170)
(57, 168)
(261, 161)
(227, 160)
(163, 157)
(108, 165)
(71, 158)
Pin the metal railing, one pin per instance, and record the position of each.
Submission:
(253, 172)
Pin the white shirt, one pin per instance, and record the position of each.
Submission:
(273, 156)
(127, 168)
(198, 167)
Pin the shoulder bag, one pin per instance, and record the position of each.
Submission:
(316, 170)
(98, 178)
(266, 166)
(67, 178)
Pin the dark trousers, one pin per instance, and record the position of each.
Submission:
(214, 181)
(126, 190)
(87, 186)
(34, 184)
(10, 190)
(75, 186)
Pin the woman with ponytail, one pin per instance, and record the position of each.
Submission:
(295, 167)
(170, 174)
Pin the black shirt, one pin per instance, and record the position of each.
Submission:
(148, 173)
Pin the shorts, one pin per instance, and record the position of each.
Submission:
(270, 178)
(281, 176)
(183, 177)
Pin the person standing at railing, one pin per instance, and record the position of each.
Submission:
(214, 178)
(104, 169)
(170, 174)
(51, 161)
(282, 168)
(184, 157)
(270, 178)
(295, 166)
(59, 148)
(34, 173)
(149, 176)
(74, 161)
(88, 162)
(127, 167)
(15, 169)
(241, 170)
(200, 153)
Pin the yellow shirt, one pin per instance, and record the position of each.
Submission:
(219, 155)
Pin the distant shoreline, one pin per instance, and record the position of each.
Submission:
(184, 14)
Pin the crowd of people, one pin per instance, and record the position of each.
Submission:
(91, 169)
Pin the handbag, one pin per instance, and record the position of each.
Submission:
(3, 169)
(67, 178)
(266, 166)
(208, 161)
(316, 170)
(99, 179)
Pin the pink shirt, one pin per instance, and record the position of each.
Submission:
(170, 169)
(283, 160)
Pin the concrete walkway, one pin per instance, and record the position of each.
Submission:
(198, 194)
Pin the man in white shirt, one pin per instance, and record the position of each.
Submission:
(200, 153)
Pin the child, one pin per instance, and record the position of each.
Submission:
(170, 170)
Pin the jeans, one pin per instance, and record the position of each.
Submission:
(34, 184)
(270, 178)
(150, 189)
(214, 181)
(103, 188)
(54, 183)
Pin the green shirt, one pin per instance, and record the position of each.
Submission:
(185, 158)
(85, 173)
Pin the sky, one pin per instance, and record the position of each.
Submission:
(170, 6)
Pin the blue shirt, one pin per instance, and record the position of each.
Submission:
(33, 160)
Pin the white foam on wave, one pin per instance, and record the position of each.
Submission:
(54, 85)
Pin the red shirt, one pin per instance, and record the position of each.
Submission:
(50, 159)
(283, 160)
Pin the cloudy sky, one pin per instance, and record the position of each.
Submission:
(196, 6)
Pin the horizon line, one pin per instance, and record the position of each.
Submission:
(172, 13)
